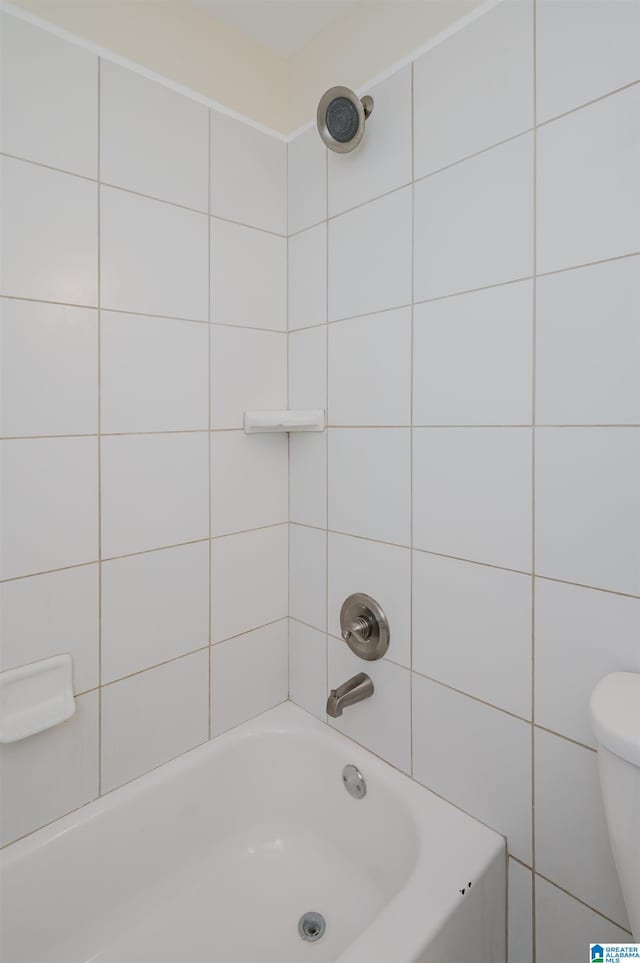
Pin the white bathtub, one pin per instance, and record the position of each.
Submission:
(214, 857)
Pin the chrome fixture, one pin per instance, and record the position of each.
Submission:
(341, 117)
(354, 690)
(365, 627)
(354, 782)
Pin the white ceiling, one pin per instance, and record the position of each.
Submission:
(284, 26)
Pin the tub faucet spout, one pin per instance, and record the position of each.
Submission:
(353, 690)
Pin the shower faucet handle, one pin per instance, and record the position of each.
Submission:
(364, 626)
(361, 626)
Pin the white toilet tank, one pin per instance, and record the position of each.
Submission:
(615, 718)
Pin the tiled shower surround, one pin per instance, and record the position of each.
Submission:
(142, 531)
(463, 298)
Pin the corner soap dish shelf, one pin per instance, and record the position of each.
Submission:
(35, 697)
(301, 419)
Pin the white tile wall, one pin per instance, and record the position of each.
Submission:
(248, 175)
(308, 668)
(50, 774)
(236, 694)
(167, 156)
(308, 368)
(572, 843)
(248, 269)
(492, 751)
(588, 188)
(154, 374)
(472, 358)
(49, 369)
(458, 111)
(308, 575)
(474, 222)
(48, 504)
(249, 581)
(564, 927)
(444, 318)
(135, 387)
(49, 234)
(146, 719)
(155, 607)
(50, 614)
(155, 491)
(372, 242)
(588, 345)
(370, 370)
(153, 257)
(49, 97)
(306, 181)
(483, 476)
(588, 506)
(383, 159)
(520, 924)
(369, 483)
(472, 630)
(307, 274)
(249, 485)
(581, 635)
(248, 371)
(599, 40)
(308, 479)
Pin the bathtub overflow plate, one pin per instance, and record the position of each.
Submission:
(354, 783)
(311, 927)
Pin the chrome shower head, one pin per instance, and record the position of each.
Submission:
(341, 118)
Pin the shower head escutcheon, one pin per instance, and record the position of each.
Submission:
(341, 118)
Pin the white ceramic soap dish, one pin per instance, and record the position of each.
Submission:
(301, 419)
(35, 697)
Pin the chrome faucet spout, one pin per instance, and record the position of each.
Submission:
(353, 690)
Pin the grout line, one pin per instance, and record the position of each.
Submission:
(561, 735)
(251, 227)
(586, 264)
(140, 314)
(239, 429)
(135, 193)
(533, 475)
(477, 153)
(156, 665)
(247, 531)
(99, 330)
(592, 588)
(578, 900)
(475, 698)
(153, 197)
(255, 628)
(412, 255)
(288, 397)
(326, 440)
(470, 561)
(248, 327)
(210, 406)
(195, 541)
(587, 103)
(397, 307)
(51, 167)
